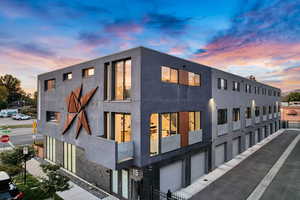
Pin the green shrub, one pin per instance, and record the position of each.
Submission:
(12, 170)
(15, 156)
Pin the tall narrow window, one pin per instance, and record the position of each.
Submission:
(235, 86)
(257, 111)
(88, 72)
(51, 148)
(49, 84)
(248, 112)
(194, 121)
(122, 122)
(222, 116)
(264, 110)
(154, 134)
(114, 181)
(236, 114)
(107, 81)
(69, 157)
(270, 109)
(222, 84)
(122, 79)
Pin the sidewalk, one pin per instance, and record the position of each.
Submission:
(74, 193)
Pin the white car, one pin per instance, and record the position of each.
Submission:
(21, 117)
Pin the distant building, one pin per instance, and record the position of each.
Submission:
(290, 114)
(140, 120)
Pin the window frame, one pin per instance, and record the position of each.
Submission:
(66, 76)
(222, 116)
(52, 86)
(85, 72)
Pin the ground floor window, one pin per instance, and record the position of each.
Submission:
(70, 157)
(51, 150)
(120, 177)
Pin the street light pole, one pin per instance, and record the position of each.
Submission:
(25, 152)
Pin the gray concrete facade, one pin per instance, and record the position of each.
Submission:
(148, 95)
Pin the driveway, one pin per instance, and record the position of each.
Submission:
(240, 182)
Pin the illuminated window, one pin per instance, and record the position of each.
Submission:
(67, 76)
(194, 79)
(69, 157)
(122, 79)
(51, 148)
(88, 72)
(49, 84)
(236, 114)
(222, 83)
(154, 134)
(248, 112)
(194, 121)
(169, 75)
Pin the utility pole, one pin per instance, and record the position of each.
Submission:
(25, 153)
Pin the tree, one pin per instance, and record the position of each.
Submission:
(3, 97)
(15, 156)
(55, 181)
(13, 86)
(293, 96)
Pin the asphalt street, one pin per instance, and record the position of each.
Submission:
(240, 182)
(21, 136)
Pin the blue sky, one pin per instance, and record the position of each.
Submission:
(259, 37)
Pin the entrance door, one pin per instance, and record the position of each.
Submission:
(236, 147)
(197, 166)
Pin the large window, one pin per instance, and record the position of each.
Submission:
(247, 88)
(120, 123)
(69, 157)
(257, 111)
(235, 86)
(194, 121)
(194, 79)
(120, 178)
(169, 75)
(236, 114)
(222, 116)
(49, 84)
(88, 72)
(169, 124)
(222, 83)
(122, 80)
(52, 116)
(51, 148)
(270, 109)
(248, 113)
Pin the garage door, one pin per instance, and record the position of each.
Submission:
(170, 177)
(220, 154)
(247, 141)
(197, 166)
(236, 147)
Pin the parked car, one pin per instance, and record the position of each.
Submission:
(8, 112)
(21, 117)
(8, 190)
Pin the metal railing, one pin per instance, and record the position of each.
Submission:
(158, 195)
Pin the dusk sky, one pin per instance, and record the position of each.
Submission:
(245, 37)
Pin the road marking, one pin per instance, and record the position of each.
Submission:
(265, 182)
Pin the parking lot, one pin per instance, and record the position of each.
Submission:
(11, 122)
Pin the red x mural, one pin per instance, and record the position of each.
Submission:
(75, 106)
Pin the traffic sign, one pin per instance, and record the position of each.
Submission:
(6, 131)
(4, 138)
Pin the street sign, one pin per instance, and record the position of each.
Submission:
(4, 138)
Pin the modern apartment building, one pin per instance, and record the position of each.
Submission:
(140, 120)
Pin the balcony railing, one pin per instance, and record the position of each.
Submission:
(222, 129)
(248, 122)
(257, 120)
(107, 153)
(265, 118)
(195, 136)
(170, 143)
(236, 125)
(270, 116)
